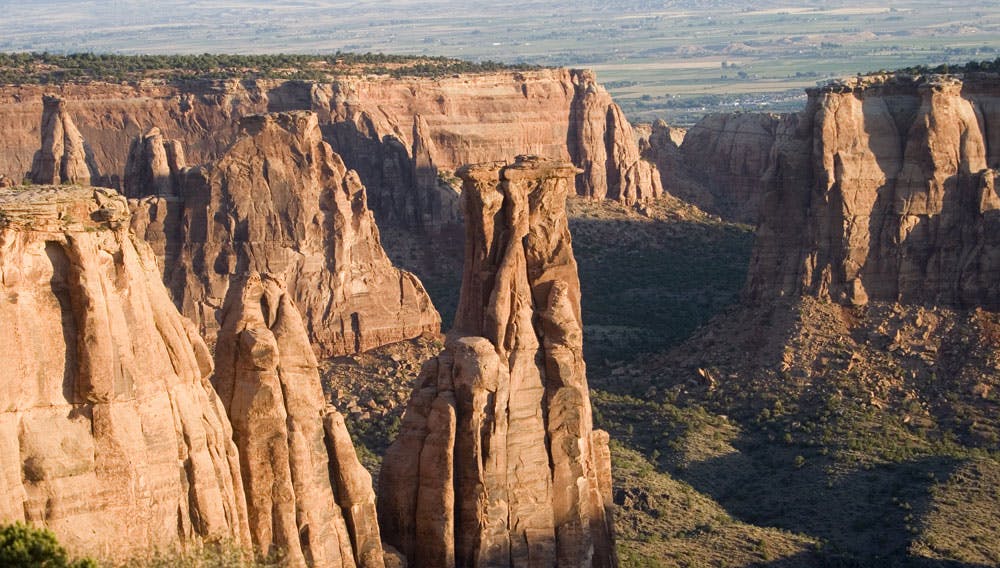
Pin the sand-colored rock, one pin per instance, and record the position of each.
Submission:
(110, 433)
(63, 156)
(154, 166)
(404, 136)
(307, 494)
(280, 201)
(496, 463)
(601, 142)
(719, 163)
(882, 189)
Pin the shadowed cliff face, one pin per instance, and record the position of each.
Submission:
(497, 463)
(405, 137)
(718, 164)
(64, 157)
(602, 143)
(884, 188)
(307, 494)
(278, 200)
(110, 434)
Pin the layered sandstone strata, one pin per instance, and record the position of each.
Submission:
(307, 494)
(720, 163)
(602, 143)
(496, 463)
(64, 155)
(884, 188)
(281, 201)
(110, 433)
(382, 126)
(405, 137)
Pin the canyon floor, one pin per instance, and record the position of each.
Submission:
(796, 433)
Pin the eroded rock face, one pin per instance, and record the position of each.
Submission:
(720, 163)
(64, 156)
(496, 463)
(307, 493)
(154, 166)
(280, 201)
(110, 433)
(884, 188)
(405, 137)
(601, 142)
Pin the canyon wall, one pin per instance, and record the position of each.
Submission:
(497, 463)
(885, 188)
(718, 164)
(405, 137)
(279, 200)
(110, 433)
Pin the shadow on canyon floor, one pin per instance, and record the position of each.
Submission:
(648, 281)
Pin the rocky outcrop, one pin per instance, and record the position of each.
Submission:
(202, 115)
(154, 166)
(64, 156)
(601, 142)
(110, 433)
(884, 188)
(404, 136)
(661, 143)
(280, 201)
(307, 493)
(719, 163)
(496, 463)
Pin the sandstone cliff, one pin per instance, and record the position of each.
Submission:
(403, 136)
(279, 200)
(719, 163)
(884, 188)
(202, 115)
(307, 493)
(110, 434)
(602, 143)
(496, 463)
(63, 156)
(382, 126)
(154, 166)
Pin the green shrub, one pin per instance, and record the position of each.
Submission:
(23, 545)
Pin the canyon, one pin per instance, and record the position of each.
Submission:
(272, 259)
(171, 345)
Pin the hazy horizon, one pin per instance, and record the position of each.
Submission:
(653, 56)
